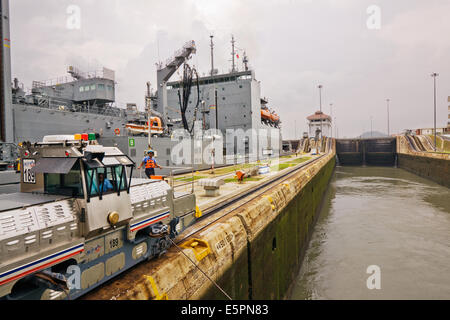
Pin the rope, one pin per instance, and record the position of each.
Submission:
(212, 281)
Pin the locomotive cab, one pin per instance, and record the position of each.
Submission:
(98, 179)
(87, 176)
(79, 215)
(65, 184)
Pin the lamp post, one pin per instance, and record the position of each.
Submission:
(434, 75)
(320, 104)
(387, 100)
(336, 128)
(331, 114)
(371, 132)
(295, 127)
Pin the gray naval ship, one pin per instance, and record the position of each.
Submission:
(84, 102)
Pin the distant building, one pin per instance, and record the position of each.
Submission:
(319, 121)
(430, 131)
(442, 130)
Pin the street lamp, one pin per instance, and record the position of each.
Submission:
(295, 127)
(320, 103)
(336, 128)
(331, 114)
(434, 75)
(387, 100)
(371, 132)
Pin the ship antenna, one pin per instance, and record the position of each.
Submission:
(212, 54)
(233, 69)
(147, 97)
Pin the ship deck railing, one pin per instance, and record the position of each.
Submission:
(61, 105)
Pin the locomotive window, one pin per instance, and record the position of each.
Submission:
(68, 184)
(100, 181)
(121, 177)
(106, 180)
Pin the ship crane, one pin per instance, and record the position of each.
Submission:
(167, 69)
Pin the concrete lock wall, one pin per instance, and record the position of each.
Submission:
(434, 166)
(277, 238)
(254, 252)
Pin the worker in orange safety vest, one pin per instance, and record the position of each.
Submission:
(150, 164)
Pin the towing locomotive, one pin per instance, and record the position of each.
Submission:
(79, 219)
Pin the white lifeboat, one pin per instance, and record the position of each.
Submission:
(142, 128)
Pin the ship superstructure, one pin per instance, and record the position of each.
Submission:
(85, 102)
(78, 102)
(231, 101)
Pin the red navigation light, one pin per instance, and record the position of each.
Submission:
(67, 153)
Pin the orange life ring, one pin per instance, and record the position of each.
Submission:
(117, 131)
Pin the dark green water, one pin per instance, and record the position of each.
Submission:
(379, 216)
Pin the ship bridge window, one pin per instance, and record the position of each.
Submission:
(101, 86)
(92, 86)
(81, 89)
(86, 88)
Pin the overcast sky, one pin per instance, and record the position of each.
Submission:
(293, 45)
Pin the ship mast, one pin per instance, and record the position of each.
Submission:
(233, 68)
(212, 54)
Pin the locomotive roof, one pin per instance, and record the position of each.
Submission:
(22, 199)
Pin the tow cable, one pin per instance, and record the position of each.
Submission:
(212, 281)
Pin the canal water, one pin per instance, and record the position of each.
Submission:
(379, 227)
